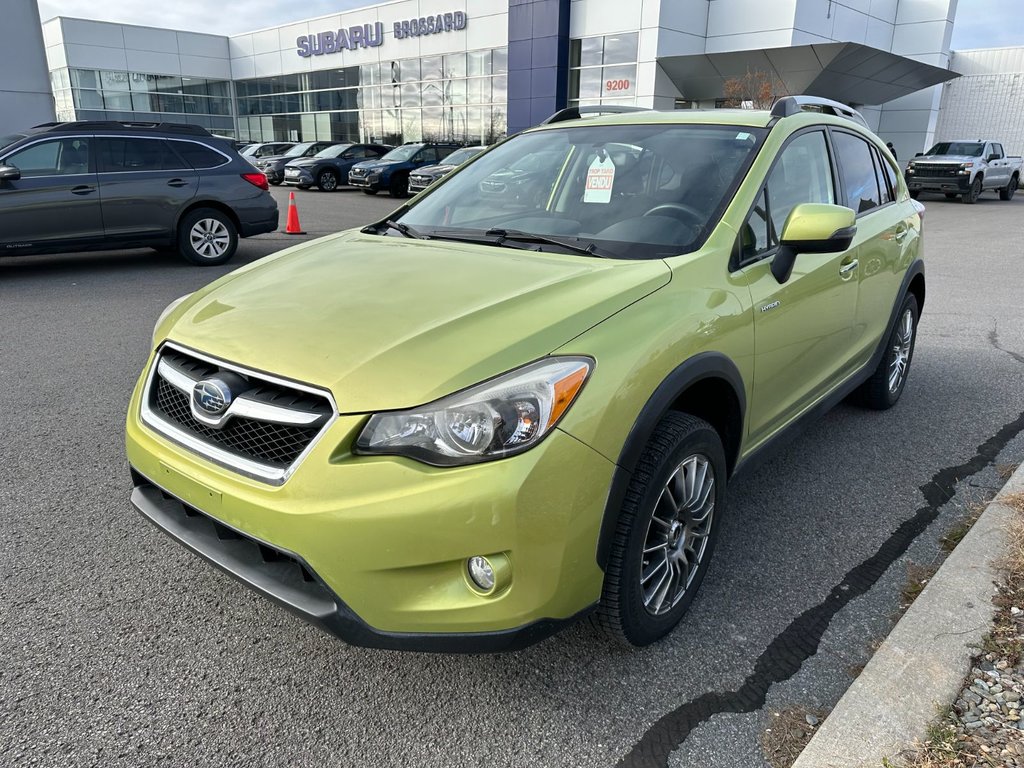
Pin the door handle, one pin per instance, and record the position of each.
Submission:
(900, 234)
(847, 269)
(82, 189)
(177, 183)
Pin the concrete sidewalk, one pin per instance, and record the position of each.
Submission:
(921, 665)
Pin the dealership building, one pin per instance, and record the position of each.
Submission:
(474, 70)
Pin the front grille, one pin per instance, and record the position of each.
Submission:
(937, 171)
(357, 172)
(275, 444)
(286, 422)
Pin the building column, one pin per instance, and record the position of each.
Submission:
(538, 60)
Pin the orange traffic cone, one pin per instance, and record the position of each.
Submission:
(293, 227)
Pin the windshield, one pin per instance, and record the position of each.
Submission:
(968, 148)
(299, 150)
(251, 150)
(403, 153)
(6, 141)
(333, 151)
(628, 191)
(462, 155)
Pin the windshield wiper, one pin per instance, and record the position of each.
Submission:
(531, 237)
(405, 229)
(505, 237)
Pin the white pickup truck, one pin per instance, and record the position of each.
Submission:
(965, 169)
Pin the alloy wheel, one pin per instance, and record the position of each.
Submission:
(901, 351)
(210, 238)
(677, 535)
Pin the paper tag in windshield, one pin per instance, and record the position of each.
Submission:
(600, 178)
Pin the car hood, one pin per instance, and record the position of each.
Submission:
(373, 164)
(387, 323)
(435, 170)
(945, 159)
(305, 162)
(275, 159)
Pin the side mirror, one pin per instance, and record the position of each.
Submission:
(919, 154)
(9, 173)
(813, 228)
(992, 157)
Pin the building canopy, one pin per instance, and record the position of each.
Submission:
(847, 72)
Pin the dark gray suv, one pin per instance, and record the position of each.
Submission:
(103, 185)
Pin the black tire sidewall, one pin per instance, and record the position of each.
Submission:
(399, 186)
(185, 245)
(909, 301)
(639, 626)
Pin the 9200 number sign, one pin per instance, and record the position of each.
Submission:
(617, 85)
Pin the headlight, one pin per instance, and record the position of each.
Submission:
(499, 418)
(163, 315)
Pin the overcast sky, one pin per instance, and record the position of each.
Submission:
(979, 23)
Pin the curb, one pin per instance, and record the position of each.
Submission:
(922, 663)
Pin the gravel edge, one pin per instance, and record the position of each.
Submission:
(920, 665)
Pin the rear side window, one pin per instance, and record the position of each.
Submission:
(198, 155)
(60, 157)
(887, 185)
(123, 155)
(427, 155)
(802, 174)
(860, 180)
(443, 152)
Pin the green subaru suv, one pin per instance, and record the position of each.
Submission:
(518, 400)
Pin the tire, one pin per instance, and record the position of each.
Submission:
(1006, 193)
(207, 237)
(275, 183)
(399, 186)
(914, 194)
(971, 196)
(631, 609)
(951, 195)
(880, 392)
(369, 191)
(327, 181)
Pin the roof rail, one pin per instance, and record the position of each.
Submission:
(788, 106)
(112, 125)
(574, 113)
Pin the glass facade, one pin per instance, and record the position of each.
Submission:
(99, 94)
(458, 97)
(602, 70)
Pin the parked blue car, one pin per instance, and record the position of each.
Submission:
(391, 172)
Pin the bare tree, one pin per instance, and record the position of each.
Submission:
(756, 89)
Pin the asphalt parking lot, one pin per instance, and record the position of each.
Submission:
(119, 648)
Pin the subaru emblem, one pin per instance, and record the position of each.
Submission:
(212, 396)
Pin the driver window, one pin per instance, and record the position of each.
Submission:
(61, 157)
(802, 174)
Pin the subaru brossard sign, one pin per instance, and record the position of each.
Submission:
(372, 35)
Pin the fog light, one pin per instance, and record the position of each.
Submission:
(481, 572)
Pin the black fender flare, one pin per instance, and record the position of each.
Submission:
(704, 365)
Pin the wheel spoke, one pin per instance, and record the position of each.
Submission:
(653, 569)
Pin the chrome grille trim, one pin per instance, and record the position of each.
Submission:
(242, 406)
(250, 409)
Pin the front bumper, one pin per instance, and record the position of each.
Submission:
(287, 580)
(956, 184)
(386, 539)
(302, 179)
(365, 182)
